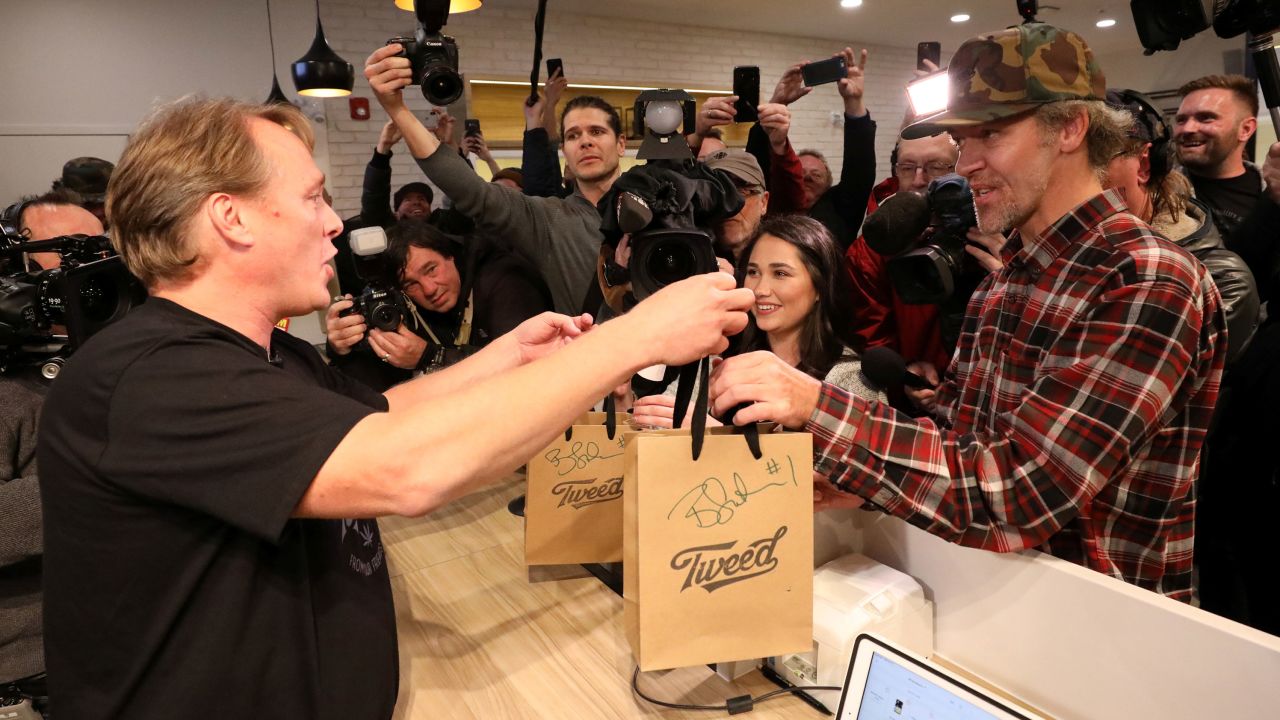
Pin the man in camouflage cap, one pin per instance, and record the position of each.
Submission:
(1073, 412)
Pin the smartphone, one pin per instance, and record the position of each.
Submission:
(472, 127)
(554, 64)
(931, 51)
(746, 85)
(431, 120)
(824, 71)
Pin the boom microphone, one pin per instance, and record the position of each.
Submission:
(897, 223)
(886, 368)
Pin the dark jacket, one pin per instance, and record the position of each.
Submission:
(507, 291)
(1240, 300)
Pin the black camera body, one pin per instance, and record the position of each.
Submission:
(380, 302)
(924, 237)
(434, 60)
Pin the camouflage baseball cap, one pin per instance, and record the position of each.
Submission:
(87, 176)
(1009, 72)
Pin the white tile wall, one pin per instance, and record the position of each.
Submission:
(498, 42)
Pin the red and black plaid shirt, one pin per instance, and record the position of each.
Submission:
(1073, 412)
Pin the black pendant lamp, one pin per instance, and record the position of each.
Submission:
(277, 95)
(321, 72)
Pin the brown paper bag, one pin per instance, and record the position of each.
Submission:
(573, 503)
(717, 553)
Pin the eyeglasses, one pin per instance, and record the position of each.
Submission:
(934, 169)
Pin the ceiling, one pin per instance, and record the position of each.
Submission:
(900, 23)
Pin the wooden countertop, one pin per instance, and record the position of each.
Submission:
(483, 636)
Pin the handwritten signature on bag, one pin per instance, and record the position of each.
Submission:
(711, 503)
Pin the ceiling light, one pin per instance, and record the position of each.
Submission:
(962, 17)
(1105, 23)
(850, 3)
(455, 6)
(321, 72)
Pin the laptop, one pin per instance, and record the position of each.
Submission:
(887, 683)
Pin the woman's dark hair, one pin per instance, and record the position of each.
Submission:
(828, 329)
(420, 234)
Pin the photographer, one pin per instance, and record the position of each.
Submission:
(540, 161)
(22, 392)
(413, 200)
(210, 484)
(560, 237)
(786, 182)
(1088, 366)
(462, 296)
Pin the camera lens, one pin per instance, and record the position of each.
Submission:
(671, 262)
(385, 316)
(99, 299)
(441, 85)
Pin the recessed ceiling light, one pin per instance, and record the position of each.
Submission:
(1105, 23)
(962, 17)
(850, 3)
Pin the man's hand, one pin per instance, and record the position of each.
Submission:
(715, 111)
(402, 348)
(343, 332)
(778, 391)
(533, 113)
(543, 334)
(923, 398)
(790, 86)
(655, 411)
(829, 497)
(388, 75)
(1271, 173)
(387, 139)
(775, 118)
(688, 320)
(476, 144)
(988, 251)
(853, 84)
(444, 130)
(555, 87)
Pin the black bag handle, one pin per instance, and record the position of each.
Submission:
(698, 429)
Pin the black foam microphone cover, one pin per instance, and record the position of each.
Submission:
(897, 223)
(887, 369)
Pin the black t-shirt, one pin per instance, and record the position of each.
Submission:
(172, 454)
(1230, 199)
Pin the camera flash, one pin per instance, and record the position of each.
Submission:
(929, 94)
(663, 116)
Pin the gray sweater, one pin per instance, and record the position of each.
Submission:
(561, 237)
(21, 542)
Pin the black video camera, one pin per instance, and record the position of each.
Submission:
(381, 302)
(666, 206)
(432, 56)
(924, 237)
(1164, 24)
(88, 291)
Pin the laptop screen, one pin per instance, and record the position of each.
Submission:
(887, 683)
(894, 692)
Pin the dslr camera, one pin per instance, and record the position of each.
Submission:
(924, 237)
(381, 302)
(432, 56)
(88, 291)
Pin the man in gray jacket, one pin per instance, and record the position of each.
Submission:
(561, 237)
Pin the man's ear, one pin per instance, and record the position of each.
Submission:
(622, 144)
(226, 214)
(1074, 131)
(1144, 165)
(1248, 127)
(764, 203)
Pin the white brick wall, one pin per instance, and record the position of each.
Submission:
(498, 42)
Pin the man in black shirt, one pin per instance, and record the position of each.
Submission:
(1217, 117)
(197, 464)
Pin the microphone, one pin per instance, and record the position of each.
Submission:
(886, 368)
(897, 223)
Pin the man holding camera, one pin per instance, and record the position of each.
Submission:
(195, 461)
(1072, 417)
(461, 297)
(561, 237)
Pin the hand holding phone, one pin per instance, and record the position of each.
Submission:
(746, 85)
(554, 64)
(471, 127)
(824, 71)
(931, 51)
